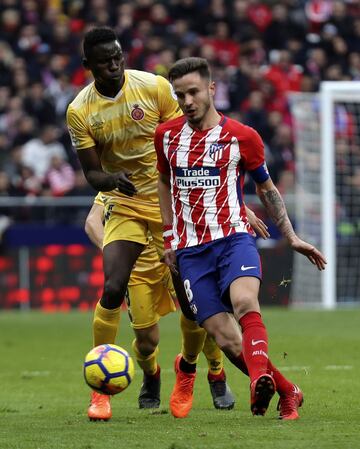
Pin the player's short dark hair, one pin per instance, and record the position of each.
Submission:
(95, 36)
(188, 65)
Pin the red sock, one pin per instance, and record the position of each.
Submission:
(255, 344)
(283, 385)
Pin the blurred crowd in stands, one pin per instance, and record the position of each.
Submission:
(259, 52)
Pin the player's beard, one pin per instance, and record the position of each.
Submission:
(198, 118)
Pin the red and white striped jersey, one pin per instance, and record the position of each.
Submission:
(206, 169)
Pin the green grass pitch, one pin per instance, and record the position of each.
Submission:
(43, 397)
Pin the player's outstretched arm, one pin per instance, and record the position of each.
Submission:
(275, 207)
(94, 227)
(257, 224)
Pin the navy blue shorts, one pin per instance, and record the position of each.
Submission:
(208, 270)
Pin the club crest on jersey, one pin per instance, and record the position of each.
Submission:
(137, 113)
(216, 151)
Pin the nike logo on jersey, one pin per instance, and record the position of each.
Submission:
(256, 342)
(243, 268)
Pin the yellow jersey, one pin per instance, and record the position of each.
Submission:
(122, 128)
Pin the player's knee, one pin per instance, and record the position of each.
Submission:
(146, 345)
(114, 292)
(243, 304)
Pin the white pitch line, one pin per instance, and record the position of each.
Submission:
(294, 368)
(35, 373)
(338, 367)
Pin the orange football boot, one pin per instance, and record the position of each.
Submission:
(181, 398)
(100, 408)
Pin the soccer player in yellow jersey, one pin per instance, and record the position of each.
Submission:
(112, 123)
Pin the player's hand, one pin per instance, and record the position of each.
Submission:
(123, 183)
(170, 260)
(312, 253)
(257, 224)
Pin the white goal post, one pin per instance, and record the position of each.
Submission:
(327, 193)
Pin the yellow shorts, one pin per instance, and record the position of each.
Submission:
(133, 220)
(150, 296)
(150, 290)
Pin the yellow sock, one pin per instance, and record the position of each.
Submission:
(213, 356)
(147, 363)
(105, 324)
(193, 337)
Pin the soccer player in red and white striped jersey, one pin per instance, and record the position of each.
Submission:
(202, 159)
(207, 177)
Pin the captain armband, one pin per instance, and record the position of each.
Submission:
(260, 174)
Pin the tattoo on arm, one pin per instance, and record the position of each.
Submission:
(276, 209)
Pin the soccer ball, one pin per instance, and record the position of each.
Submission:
(108, 369)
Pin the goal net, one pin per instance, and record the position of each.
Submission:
(327, 193)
